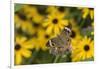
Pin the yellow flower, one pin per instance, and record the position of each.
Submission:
(75, 33)
(55, 23)
(57, 10)
(86, 12)
(36, 27)
(75, 30)
(40, 39)
(75, 36)
(51, 9)
(20, 21)
(22, 49)
(83, 50)
(32, 13)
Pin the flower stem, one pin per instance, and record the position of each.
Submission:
(82, 23)
(56, 58)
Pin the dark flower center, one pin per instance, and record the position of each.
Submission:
(73, 34)
(35, 35)
(55, 21)
(17, 47)
(21, 15)
(42, 10)
(47, 36)
(86, 47)
(36, 25)
(61, 9)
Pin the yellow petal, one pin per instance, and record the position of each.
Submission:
(61, 26)
(91, 14)
(49, 29)
(64, 22)
(46, 24)
(18, 59)
(26, 53)
(85, 12)
(56, 30)
(21, 39)
(29, 44)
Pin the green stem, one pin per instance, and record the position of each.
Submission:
(82, 23)
(56, 58)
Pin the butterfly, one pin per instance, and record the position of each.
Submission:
(60, 44)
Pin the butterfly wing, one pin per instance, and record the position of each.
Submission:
(60, 44)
